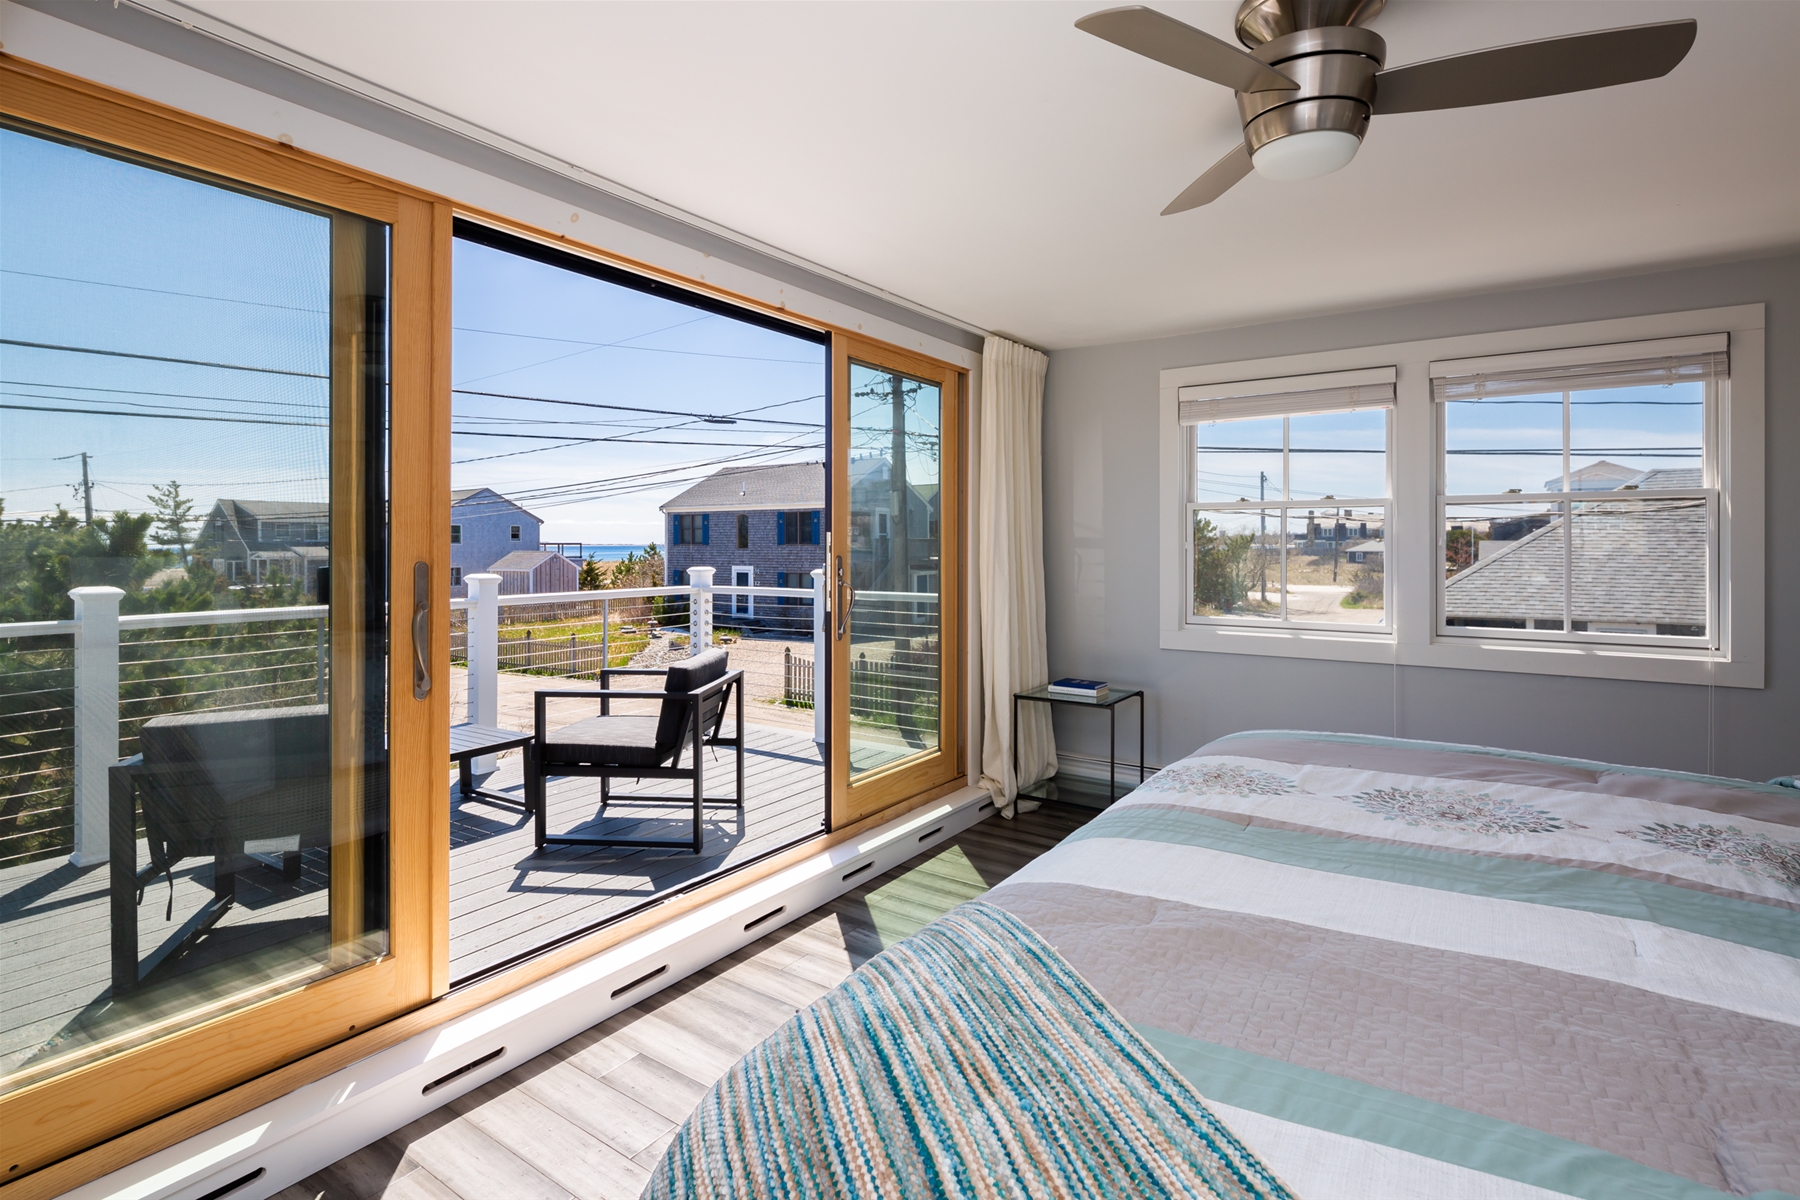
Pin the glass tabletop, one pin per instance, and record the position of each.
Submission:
(1112, 697)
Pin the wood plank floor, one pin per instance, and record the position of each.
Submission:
(590, 1119)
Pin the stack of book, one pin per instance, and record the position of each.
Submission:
(1084, 689)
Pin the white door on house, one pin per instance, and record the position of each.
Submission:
(743, 603)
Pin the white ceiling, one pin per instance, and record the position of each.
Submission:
(990, 161)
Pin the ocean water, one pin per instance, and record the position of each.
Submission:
(609, 553)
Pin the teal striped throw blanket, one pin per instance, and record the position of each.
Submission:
(970, 1060)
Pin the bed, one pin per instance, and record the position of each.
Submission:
(1303, 964)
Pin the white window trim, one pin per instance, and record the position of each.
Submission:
(1410, 638)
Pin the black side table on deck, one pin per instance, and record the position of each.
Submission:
(469, 742)
(1110, 702)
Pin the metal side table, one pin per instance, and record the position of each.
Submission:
(1110, 702)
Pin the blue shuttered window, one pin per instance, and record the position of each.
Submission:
(706, 529)
(814, 540)
(781, 530)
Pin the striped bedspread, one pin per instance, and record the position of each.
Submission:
(968, 1061)
(1395, 970)
(1401, 969)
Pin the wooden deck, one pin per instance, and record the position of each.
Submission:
(506, 900)
(55, 939)
(590, 1119)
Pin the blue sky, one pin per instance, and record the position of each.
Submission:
(1330, 454)
(1641, 428)
(99, 254)
(527, 329)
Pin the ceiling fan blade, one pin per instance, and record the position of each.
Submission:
(1149, 33)
(1218, 180)
(1524, 70)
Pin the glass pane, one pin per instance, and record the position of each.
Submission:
(1507, 444)
(1632, 438)
(1237, 460)
(1504, 566)
(194, 477)
(1237, 564)
(617, 441)
(895, 453)
(1338, 456)
(1324, 583)
(1640, 568)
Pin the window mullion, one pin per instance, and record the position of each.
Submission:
(1287, 476)
(1568, 605)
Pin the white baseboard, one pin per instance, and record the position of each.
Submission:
(257, 1154)
(1088, 768)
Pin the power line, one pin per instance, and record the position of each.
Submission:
(187, 362)
(660, 412)
(590, 346)
(108, 412)
(162, 291)
(620, 345)
(86, 387)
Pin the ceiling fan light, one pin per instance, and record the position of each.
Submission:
(1306, 155)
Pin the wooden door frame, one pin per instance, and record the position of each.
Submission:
(944, 767)
(96, 1121)
(65, 1113)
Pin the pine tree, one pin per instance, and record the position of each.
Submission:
(174, 515)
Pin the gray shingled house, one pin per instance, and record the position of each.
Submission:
(487, 528)
(755, 526)
(1635, 570)
(247, 541)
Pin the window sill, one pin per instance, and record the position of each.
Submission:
(1646, 664)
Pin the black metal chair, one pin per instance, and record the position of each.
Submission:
(694, 696)
(233, 785)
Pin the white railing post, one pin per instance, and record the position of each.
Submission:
(96, 716)
(484, 656)
(700, 609)
(821, 647)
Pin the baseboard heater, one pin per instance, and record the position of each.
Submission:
(253, 1156)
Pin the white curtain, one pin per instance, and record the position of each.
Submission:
(1010, 570)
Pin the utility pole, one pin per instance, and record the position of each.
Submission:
(900, 552)
(1262, 493)
(87, 486)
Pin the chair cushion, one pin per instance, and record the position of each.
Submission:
(696, 672)
(604, 741)
(220, 779)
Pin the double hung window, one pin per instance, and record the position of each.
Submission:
(1288, 499)
(1578, 497)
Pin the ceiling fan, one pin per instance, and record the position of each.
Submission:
(1313, 77)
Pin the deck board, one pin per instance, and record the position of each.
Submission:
(505, 899)
(661, 1055)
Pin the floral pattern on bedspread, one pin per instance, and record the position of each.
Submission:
(1469, 814)
(1215, 779)
(1751, 853)
(1445, 808)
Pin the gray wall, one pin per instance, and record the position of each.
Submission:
(1100, 533)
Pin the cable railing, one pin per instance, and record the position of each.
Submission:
(895, 660)
(500, 640)
(107, 674)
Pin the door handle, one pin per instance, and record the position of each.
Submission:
(421, 629)
(846, 596)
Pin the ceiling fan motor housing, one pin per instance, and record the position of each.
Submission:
(1335, 66)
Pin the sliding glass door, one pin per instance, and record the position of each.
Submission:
(896, 571)
(199, 844)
